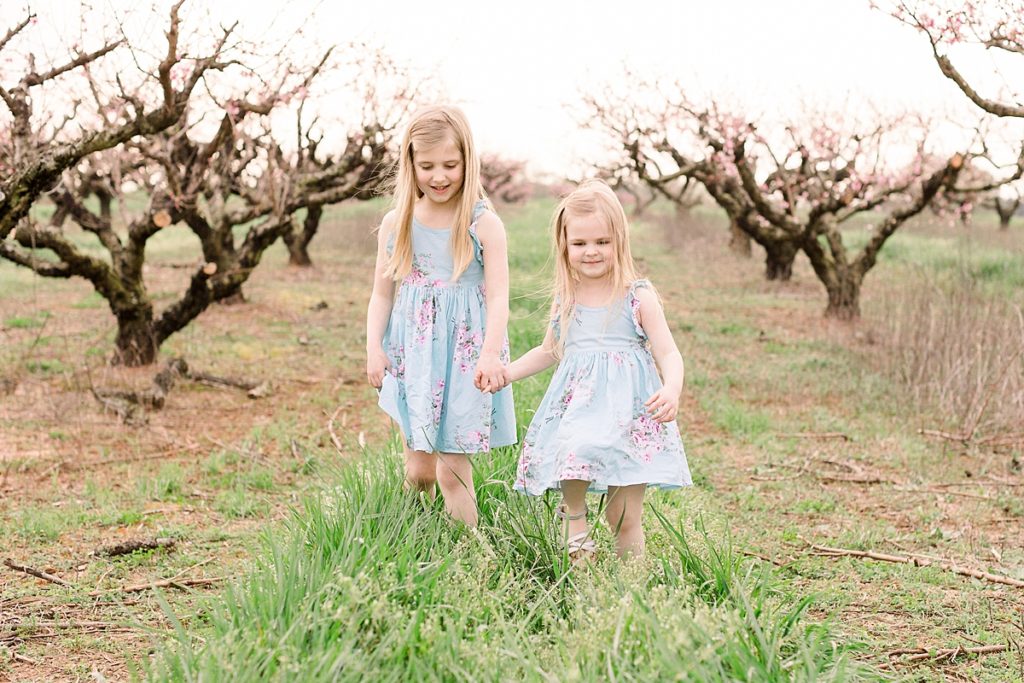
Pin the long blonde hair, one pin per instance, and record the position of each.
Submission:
(591, 197)
(429, 127)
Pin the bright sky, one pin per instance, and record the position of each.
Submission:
(516, 67)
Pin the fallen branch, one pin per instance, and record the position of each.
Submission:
(959, 437)
(165, 583)
(920, 654)
(36, 573)
(945, 565)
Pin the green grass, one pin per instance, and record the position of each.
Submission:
(367, 581)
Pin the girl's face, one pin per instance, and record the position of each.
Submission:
(589, 243)
(439, 171)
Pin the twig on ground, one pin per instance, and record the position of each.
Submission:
(959, 437)
(330, 429)
(945, 565)
(940, 492)
(23, 659)
(799, 471)
(36, 573)
(814, 435)
(920, 654)
(165, 583)
(765, 558)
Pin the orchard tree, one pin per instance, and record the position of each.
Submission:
(215, 168)
(997, 27)
(37, 146)
(790, 187)
(504, 179)
(360, 167)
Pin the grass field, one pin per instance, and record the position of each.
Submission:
(298, 556)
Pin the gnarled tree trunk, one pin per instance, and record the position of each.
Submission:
(297, 241)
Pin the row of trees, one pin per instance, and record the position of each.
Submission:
(202, 150)
(197, 132)
(792, 186)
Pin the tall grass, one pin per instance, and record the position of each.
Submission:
(370, 582)
(955, 345)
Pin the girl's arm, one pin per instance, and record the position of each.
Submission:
(663, 405)
(535, 360)
(379, 310)
(491, 374)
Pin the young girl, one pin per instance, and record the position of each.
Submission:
(607, 422)
(437, 348)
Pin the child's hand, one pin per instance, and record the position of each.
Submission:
(663, 405)
(491, 375)
(376, 365)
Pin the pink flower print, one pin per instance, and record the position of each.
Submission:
(475, 441)
(467, 348)
(617, 358)
(646, 436)
(397, 356)
(437, 401)
(417, 277)
(572, 469)
(424, 320)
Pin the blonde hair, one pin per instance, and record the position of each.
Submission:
(429, 127)
(591, 197)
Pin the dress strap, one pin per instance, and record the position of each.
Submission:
(634, 304)
(478, 248)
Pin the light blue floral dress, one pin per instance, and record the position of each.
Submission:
(592, 424)
(433, 342)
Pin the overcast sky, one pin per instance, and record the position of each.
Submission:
(517, 66)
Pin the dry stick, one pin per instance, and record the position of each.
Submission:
(36, 572)
(330, 428)
(799, 471)
(948, 436)
(945, 565)
(814, 435)
(166, 583)
(23, 659)
(765, 558)
(940, 492)
(920, 654)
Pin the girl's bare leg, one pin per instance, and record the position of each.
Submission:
(574, 499)
(623, 512)
(420, 470)
(454, 472)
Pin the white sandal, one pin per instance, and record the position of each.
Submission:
(581, 547)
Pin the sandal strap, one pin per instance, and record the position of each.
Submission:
(561, 513)
(581, 541)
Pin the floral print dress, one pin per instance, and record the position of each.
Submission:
(433, 342)
(592, 424)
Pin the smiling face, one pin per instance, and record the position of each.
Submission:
(589, 246)
(439, 171)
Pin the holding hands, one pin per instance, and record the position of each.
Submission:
(491, 374)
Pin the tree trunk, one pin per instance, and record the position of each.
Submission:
(136, 343)
(1004, 221)
(844, 298)
(739, 241)
(298, 241)
(105, 201)
(779, 260)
